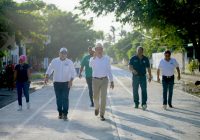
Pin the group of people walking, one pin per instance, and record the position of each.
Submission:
(98, 75)
(138, 65)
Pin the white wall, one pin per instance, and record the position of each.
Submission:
(15, 53)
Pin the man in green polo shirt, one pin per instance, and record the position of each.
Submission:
(88, 73)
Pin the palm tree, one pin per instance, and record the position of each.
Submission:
(113, 33)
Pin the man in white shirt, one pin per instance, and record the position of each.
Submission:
(63, 74)
(167, 66)
(77, 65)
(101, 71)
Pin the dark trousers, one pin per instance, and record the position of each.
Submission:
(77, 70)
(62, 96)
(168, 85)
(22, 86)
(89, 83)
(142, 82)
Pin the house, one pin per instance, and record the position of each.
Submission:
(13, 49)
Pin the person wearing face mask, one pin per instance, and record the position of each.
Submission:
(22, 76)
(138, 65)
(101, 73)
(63, 74)
(167, 66)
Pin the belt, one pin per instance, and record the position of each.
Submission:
(168, 77)
(100, 78)
(139, 74)
(61, 82)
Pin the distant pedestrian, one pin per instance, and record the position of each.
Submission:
(22, 77)
(77, 65)
(63, 74)
(88, 72)
(10, 75)
(167, 66)
(138, 65)
(101, 71)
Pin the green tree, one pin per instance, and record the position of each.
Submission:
(23, 20)
(113, 30)
(70, 31)
(20, 21)
(183, 15)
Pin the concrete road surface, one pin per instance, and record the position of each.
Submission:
(123, 121)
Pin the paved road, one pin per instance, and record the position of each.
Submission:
(123, 121)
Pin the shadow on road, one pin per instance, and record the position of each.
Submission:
(141, 133)
(196, 123)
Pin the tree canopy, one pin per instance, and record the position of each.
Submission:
(182, 16)
(38, 22)
(22, 19)
(68, 30)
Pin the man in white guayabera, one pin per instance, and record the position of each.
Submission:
(101, 72)
(63, 74)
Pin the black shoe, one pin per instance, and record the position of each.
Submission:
(65, 118)
(96, 112)
(136, 106)
(102, 118)
(144, 107)
(60, 115)
(92, 105)
(171, 106)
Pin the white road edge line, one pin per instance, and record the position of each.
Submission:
(122, 85)
(111, 117)
(20, 127)
(75, 107)
(178, 90)
(14, 102)
(118, 125)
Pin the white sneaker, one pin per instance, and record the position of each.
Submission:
(28, 105)
(165, 107)
(20, 108)
(144, 107)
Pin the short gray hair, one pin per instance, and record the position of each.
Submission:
(98, 45)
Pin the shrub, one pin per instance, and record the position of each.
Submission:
(194, 64)
(36, 76)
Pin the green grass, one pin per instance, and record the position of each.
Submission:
(122, 66)
(36, 76)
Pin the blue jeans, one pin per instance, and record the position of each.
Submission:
(62, 96)
(142, 82)
(77, 70)
(168, 85)
(22, 86)
(89, 83)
